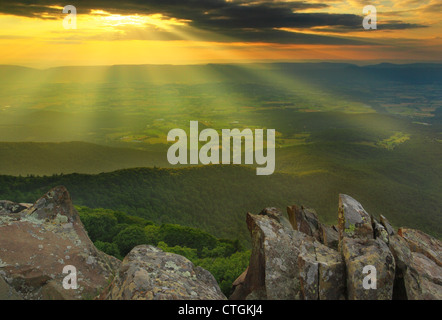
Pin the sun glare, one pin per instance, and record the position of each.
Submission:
(117, 20)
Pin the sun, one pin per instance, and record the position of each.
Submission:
(154, 20)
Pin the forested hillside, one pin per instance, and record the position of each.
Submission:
(216, 198)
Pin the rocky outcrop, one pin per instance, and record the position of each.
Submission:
(304, 259)
(38, 241)
(292, 258)
(148, 273)
(287, 263)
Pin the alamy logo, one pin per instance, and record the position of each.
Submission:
(370, 280)
(210, 151)
(70, 21)
(370, 19)
(70, 281)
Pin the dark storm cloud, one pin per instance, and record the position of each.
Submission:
(243, 20)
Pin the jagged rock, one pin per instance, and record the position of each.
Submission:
(387, 225)
(38, 242)
(274, 213)
(423, 243)
(11, 207)
(273, 271)
(354, 221)
(359, 253)
(288, 264)
(148, 273)
(239, 289)
(379, 231)
(304, 220)
(240, 280)
(329, 236)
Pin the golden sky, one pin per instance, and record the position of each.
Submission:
(214, 31)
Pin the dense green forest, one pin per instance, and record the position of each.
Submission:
(216, 198)
(116, 233)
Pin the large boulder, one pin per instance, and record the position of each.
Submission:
(287, 264)
(37, 243)
(273, 271)
(363, 243)
(148, 273)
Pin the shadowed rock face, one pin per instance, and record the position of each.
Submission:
(148, 273)
(288, 264)
(309, 260)
(38, 242)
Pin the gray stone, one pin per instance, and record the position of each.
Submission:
(148, 273)
(354, 221)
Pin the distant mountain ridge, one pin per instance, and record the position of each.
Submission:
(421, 72)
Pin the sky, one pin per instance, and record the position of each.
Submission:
(110, 32)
